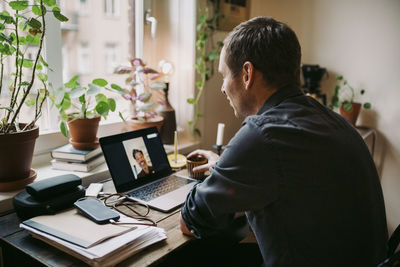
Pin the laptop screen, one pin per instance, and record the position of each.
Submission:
(135, 158)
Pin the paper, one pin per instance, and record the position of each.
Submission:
(75, 228)
(108, 252)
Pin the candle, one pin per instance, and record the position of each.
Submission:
(220, 134)
(175, 146)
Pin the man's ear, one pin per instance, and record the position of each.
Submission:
(248, 72)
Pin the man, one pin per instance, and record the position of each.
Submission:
(146, 169)
(300, 172)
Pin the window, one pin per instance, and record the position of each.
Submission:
(83, 7)
(84, 64)
(91, 46)
(111, 8)
(112, 58)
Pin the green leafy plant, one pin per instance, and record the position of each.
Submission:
(141, 81)
(24, 26)
(74, 101)
(345, 95)
(207, 54)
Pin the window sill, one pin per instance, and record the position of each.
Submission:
(44, 171)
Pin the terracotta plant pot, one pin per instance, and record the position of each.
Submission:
(16, 159)
(351, 115)
(83, 133)
(134, 124)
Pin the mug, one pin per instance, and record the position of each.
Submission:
(194, 162)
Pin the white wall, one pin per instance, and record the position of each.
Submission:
(361, 40)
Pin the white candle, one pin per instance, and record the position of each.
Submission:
(220, 134)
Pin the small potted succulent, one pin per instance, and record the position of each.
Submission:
(142, 81)
(81, 109)
(344, 98)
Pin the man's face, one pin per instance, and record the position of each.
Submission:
(232, 87)
(140, 159)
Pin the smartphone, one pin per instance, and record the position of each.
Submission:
(96, 210)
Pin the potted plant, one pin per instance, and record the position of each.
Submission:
(142, 80)
(81, 109)
(207, 54)
(22, 26)
(344, 99)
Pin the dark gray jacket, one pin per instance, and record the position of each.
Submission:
(307, 183)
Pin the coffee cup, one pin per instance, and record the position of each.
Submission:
(193, 162)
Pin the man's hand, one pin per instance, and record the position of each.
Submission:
(184, 228)
(211, 156)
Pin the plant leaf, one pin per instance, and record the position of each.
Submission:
(157, 85)
(43, 77)
(117, 88)
(102, 108)
(64, 129)
(100, 82)
(122, 117)
(71, 83)
(66, 103)
(93, 89)
(111, 104)
(50, 2)
(101, 97)
(18, 5)
(37, 11)
(58, 15)
(367, 105)
(191, 100)
(347, 106)
(30, 102)
(34, 23)
(76, 92)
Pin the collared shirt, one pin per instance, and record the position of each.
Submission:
(307, 182)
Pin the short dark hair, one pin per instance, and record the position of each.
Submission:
(134, 151)
(271, 46)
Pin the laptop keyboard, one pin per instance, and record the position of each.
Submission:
(159, 188)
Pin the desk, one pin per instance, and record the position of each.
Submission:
(367, 132)
(18, 248)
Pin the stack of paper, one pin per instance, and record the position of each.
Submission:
(95, 244)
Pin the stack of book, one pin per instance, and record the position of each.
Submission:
(95, 244)
(70, 159)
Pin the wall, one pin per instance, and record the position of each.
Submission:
(359, 39)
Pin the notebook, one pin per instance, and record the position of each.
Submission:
(139, 167)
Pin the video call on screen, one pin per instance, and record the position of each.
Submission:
(121, 160)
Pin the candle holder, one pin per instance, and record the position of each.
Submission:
(219, 148)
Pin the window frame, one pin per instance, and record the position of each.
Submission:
(52, 138)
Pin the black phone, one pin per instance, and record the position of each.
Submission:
(96, 210)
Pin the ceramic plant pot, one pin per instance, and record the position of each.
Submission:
(351, 115)
(16, 159)
(83, 133)
(135, 124)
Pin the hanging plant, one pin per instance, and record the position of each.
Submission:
(208, 52)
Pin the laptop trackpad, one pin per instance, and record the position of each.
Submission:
(172, 199)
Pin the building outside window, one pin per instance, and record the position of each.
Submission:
(83, 7)
(84, 64)
(111, 8)
(112, 58)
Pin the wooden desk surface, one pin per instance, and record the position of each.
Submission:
(11, 235)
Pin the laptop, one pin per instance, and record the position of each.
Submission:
(139, 167)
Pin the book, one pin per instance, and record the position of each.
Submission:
(86, 166)
(105, 253)
(68, 152)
